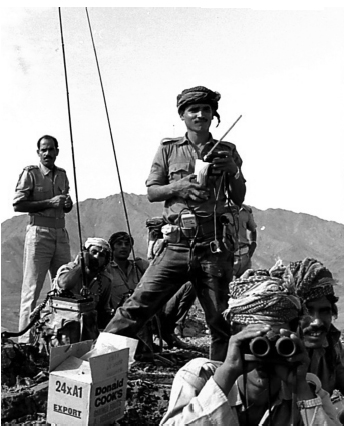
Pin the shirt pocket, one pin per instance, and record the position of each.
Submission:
(41, 193)
(60, 186)
(179, 170)
(60, 190)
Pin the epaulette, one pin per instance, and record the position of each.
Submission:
(28, 168)
(106, 273)
(246, 207)
(61, 169)
(232, 145)
(169, 140)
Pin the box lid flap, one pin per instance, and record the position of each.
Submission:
(60, 353)
(119, 342)
(110, 364)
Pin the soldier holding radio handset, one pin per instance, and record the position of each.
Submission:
(200, 212)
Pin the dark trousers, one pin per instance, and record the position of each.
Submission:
(176, 309)
(210, 274)
(241, 264)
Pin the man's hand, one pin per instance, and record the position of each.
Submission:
(225, 163)
(234, 356)
(91, 262)
(295, 374)
(232, 367)
(57, 201)
(252, 248)
(68, 202)
(187, 187)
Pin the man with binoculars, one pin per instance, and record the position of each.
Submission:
(269, 385)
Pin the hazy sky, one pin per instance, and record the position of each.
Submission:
(283, 70)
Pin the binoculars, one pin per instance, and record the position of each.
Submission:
(271, 347)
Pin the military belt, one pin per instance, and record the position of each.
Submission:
(48, 222)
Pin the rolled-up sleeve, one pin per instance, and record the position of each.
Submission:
(24, 188)
(197, 400)
(158, 174)
(251, 224)
(62, 271)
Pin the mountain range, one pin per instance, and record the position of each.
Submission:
(282, 235)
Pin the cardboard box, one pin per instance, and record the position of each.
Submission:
(89, 391)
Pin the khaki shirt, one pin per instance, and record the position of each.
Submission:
(123, 283)
(246, 222)
(38, 183)
(175, 159)
(100, 289)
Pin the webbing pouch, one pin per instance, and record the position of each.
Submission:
(230, 222)
(171, 233)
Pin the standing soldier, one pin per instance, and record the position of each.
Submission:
(199, 236)
(43, 192)
(247, 241)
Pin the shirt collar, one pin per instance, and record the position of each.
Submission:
(44, 169)
(113, 264)
(234, 397)
(116, 266)
(184, 139)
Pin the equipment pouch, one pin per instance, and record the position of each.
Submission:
(171, 233)
(230, 223)
(189, 225)
(154, 226)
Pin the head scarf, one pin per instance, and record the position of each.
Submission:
(99, 242)
(311, 279)
(199, 94)
(118, 236)
(261, 298)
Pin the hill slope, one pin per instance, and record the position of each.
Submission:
(281, 235)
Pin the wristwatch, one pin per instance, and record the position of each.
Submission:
(309, 403)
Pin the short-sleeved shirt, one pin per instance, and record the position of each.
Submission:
(123, 283)
(38, 183)
(246, 222)
(175, 159)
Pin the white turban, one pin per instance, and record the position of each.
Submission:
(99, 242)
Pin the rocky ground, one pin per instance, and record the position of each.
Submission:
(24, 378)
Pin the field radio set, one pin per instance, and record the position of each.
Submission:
(188, 220)
(71, 302)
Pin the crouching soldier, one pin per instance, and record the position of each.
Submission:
(92, 310)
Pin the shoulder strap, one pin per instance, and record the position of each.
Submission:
(166, 141)
(60, 169)
(28, 168)
(247, 208)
